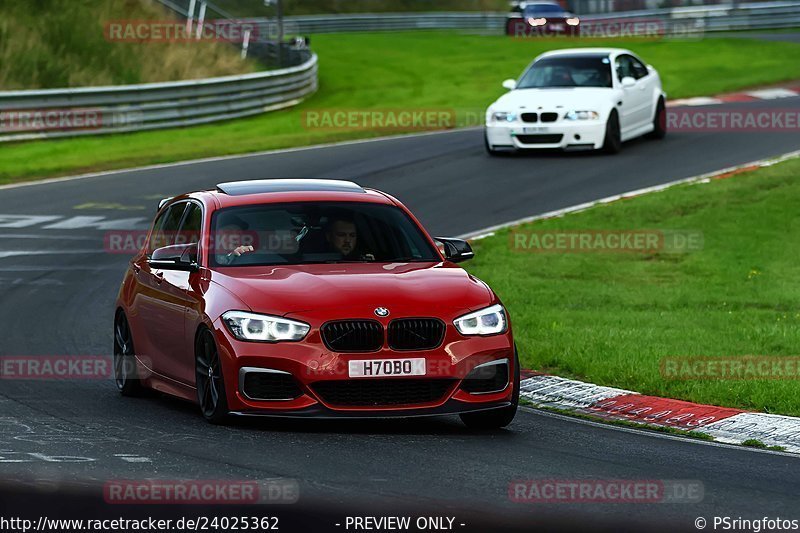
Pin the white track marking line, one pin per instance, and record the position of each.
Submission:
(771, 94)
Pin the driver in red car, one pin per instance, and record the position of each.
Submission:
(342, 236)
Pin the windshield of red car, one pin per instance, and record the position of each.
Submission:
(316, 232)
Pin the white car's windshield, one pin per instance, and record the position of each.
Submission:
(572, 71)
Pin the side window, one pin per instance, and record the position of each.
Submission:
(166, 227)
(624, 68)
(190, 229)
(639, 69)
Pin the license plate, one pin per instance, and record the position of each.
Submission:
(535, 129)
(558, 27)
(374, 368)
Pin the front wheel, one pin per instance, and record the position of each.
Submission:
(612, 143)
(659, 121)
(489, 150)
(125, 374)
(208, 379)
(496, 418)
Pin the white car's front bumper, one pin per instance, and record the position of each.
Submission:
(563, 134)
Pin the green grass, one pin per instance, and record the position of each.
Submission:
(408, 70)
(610, 318)
(61, 43)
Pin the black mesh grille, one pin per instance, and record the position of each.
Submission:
(551, 138)
(353, 335)
(490, 378)
(530, 117)
(549, 117)
(368, 392)
(270, 386)
(415, 333)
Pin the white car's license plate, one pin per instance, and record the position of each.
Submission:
(375, 368)
(535, 129)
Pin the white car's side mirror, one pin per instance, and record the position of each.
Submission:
(510, 84)
(628, 81)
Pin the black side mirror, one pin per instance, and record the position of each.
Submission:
(456, 250)
(176, 257)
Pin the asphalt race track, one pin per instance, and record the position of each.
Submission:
(57, 287)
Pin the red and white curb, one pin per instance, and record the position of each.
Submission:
(727, 425)
(746, 96)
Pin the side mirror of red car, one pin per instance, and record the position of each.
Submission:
(175, 257)
(456, 250)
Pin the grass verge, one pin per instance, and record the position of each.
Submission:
(408, 70)
(611, 318)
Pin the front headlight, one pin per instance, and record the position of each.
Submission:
(503, 116)
(488, 321)
(582, 115)
(253, 327)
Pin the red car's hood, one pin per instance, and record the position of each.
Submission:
(415, 289)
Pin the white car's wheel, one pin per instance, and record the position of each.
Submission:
(612, 143)
(659, 121)
(489, 150)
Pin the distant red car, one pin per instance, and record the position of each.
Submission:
(311, 298)
(532, 19)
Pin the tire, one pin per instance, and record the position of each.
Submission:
(496, 418)
(612, 143)
(209, 379)
(659, 121)
(125, 374)
(489, 150)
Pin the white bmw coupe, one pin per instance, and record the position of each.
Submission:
(578, 99)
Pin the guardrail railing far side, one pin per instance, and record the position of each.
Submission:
(710, 18)
(49, 113)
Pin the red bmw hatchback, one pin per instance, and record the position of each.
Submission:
(310, 298)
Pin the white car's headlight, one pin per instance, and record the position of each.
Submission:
(582, 115)
(488, 321)
(503, 116)
(253, 327)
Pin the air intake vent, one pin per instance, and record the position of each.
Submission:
(353, 335)
(416, 333)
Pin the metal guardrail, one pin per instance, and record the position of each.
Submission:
(716, 17)
(48, 113)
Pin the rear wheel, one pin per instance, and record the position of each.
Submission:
(208, 379)
(659, 121)
(125, 374)
(496, 418)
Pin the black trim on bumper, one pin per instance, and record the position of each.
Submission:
(452, 407)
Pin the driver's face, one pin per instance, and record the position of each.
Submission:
(343, 237)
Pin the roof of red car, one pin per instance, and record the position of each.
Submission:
(292, 190)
